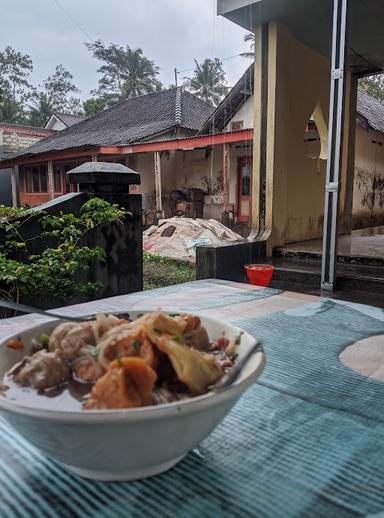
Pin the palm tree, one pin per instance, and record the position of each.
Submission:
(11, 111)
(208, 81)
(139, 76)
(40, 109)
(249, 37)
(126, 72)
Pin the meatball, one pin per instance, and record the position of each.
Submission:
(43, 370)
(70, 338)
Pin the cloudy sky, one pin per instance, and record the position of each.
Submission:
(171, 32)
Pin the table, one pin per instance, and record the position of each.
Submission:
(306, 440)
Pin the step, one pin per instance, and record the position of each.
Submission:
(315, 257)
(357, 296)
(307, 277)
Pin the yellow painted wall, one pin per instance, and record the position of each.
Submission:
(302, 81)
(368, 192)
(299, 79)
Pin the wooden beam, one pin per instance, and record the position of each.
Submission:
(226, 167)
(159, 202)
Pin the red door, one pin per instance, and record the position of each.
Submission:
(244, 183)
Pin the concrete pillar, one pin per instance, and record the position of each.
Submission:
(258, 177)
(349, 152)
(158, 189)
(50, 182)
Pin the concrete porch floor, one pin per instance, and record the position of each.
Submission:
(368, 242)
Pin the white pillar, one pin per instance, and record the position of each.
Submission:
(335, 142)
(50, 182)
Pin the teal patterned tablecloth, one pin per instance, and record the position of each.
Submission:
(306, 440)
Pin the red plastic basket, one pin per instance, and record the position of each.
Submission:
(259, 274)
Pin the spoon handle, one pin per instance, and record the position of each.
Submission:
(28, 309)
(235, 372)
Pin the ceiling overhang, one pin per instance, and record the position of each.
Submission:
(310, 21)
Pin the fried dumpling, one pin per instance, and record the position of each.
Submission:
(128, 383)
(197, 370)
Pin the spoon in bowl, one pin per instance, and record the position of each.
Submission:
(235, 372)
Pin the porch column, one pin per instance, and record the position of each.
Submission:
(51, 185)
(15, 186)
(94, 158)
(159, 202)
(258, 170)
(226, 162)
(335, 142)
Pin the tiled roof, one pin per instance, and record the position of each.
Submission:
(371, 109)
(69, 119)
(130, 121)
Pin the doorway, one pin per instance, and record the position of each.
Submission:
(244, 182)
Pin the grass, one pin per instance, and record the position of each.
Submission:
(162, 271)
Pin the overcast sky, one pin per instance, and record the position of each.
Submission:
(171, 32)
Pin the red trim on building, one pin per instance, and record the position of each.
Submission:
(180, 144)
(26, 130)
(185, 144)
(44, 157)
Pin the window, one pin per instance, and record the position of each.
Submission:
(236, 125)
(28, 179)
(35, 178)
(43, 181)
(57, 183)
(316, 136)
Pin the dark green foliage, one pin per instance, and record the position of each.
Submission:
(125, 72)
(51, 274)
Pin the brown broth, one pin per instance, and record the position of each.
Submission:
(67, 396)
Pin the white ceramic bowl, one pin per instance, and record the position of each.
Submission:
(126, 444)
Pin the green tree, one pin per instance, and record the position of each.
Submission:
(59, 88)
(373, 85)
(15, 68)
(49, 277)
(11, 111)
(126, 72)
(250, 36)
(95, 105)
(40, 109)
(208, 81)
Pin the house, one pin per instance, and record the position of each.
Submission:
(236, 112)
(59, 121)
(14, 138)
(180, 145)
(125, 133)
